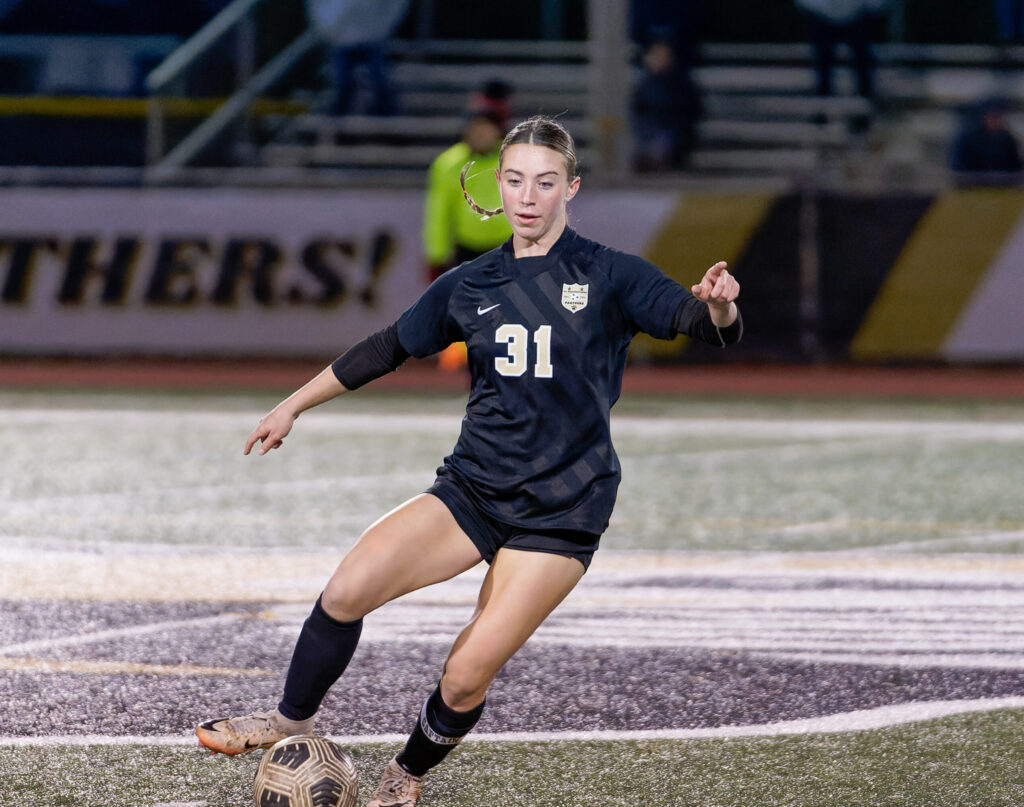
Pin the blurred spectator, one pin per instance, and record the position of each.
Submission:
(452, 231)
(1009, 20)
(665, 107)
(984, 147)
(843, 21)
(494, 96)
(358, 31)
(676, 22)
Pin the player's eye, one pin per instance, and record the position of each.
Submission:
(547, 185)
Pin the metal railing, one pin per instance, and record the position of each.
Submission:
(232, 58)
(177, 136)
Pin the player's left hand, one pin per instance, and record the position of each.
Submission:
(717, 288)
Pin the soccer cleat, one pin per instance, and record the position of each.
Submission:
(239, 735)
(398, 788)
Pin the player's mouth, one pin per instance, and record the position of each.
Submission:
(526, 218)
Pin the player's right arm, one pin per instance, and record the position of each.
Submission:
(376, 355)
(276, 424)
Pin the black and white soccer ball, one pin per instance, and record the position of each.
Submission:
(305, 772)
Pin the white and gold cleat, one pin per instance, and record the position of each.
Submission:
(239, 735)
(398, 788)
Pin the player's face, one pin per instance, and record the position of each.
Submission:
(534, 189)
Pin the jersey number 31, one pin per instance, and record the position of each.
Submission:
(518, 340)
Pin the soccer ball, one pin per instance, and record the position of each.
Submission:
(305, 772)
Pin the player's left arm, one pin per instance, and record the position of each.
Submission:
(719, 289)
(709, 312)
(656, 304)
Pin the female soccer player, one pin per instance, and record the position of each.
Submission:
(547, 318)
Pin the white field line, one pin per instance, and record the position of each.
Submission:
(937, 544)
(924, 661)
(968, 608)
(180, 804)
(790, 448)
(823, 429)
(624, 566)
(860, 720)
(626, 579)
(236, 421)
(977, 627)
(214, 491)
(919, 628)
(81, 666)
(24, 545)
(968, 534)
(38, 645)
(684, 625)
(631, 425)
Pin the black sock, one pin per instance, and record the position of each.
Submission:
(322, 652)
(437, 731)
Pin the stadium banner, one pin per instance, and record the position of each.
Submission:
(219, 272)
(294, 273)
(201, 272)
(990, 326)
(955, 291)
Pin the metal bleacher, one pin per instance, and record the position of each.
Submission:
(433, 80)
(761, 108)
(758, 121)
(761, 121)
(761, 117)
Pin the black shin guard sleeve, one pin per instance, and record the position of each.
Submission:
(437, 731)
(322, 652)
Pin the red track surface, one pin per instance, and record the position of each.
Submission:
(998, 383)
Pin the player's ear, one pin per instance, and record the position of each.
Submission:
(573, 187)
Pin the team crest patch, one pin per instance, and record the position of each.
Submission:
(574, 296)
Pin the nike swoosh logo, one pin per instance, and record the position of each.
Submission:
(480, 311)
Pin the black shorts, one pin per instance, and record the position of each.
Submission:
(489, 535)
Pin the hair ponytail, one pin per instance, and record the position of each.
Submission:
(483, 211)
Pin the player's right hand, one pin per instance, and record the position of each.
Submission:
(270, 432)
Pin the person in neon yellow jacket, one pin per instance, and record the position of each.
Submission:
(452, 232)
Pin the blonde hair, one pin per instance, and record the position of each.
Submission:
(536, 131)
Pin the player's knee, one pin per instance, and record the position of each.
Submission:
(464, 686)
(342, 603)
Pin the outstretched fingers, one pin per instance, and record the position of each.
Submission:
(716, 285)
(267, 434)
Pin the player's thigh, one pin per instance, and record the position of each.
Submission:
(519, 591)
(415, 545)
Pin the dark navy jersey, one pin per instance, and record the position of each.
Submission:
(547, 339)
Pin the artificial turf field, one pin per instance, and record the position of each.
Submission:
(798, 602)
